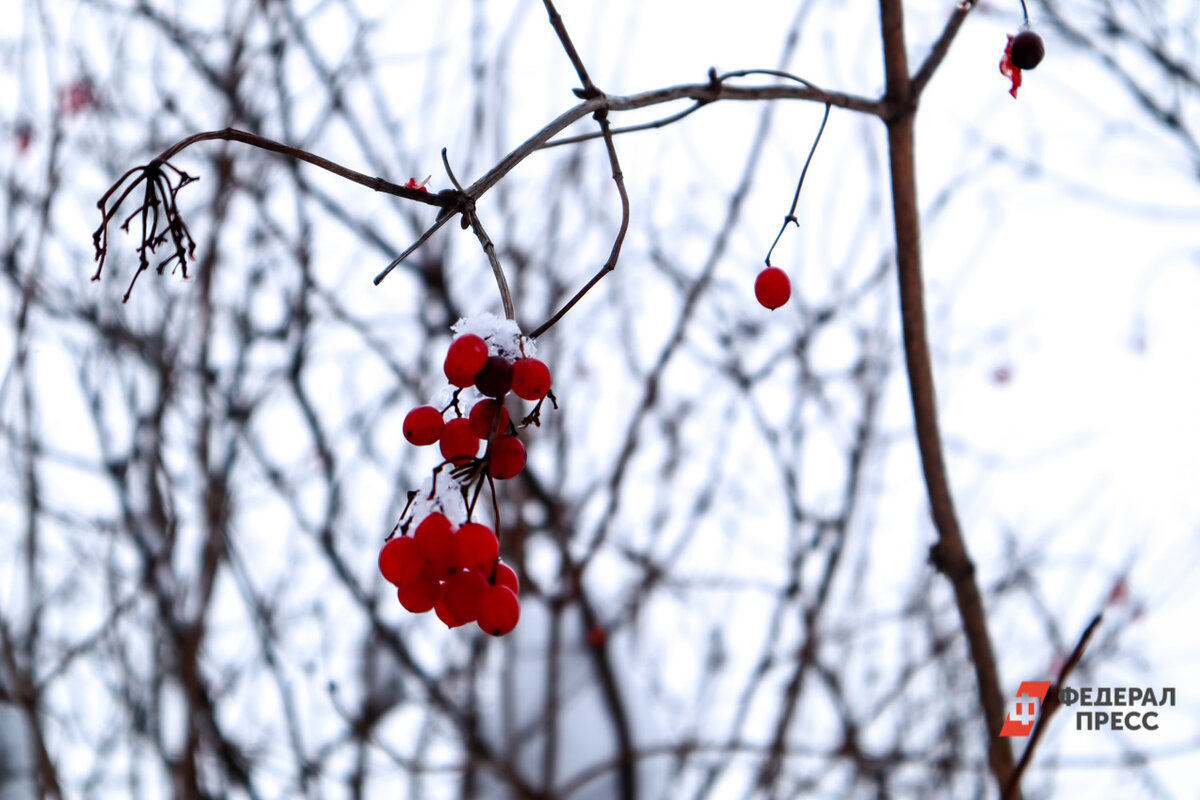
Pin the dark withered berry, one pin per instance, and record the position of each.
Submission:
(1028, 50)
(495, 379)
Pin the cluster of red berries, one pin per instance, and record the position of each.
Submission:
(468, 363)
(455, 572)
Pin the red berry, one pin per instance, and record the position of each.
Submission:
(531, 379)
(597, 636)
(423, 425)
(476, 548)
(772, 288)
(507, 458)
(505, 576)
(459, 443)
(495, 379)
(482, 415)
(464, 590)
(435, 537)
(439, 570)
(401, 560)
(466, 356)
(1027, 50)
(420, 595)
(499, 610)
(443, 613)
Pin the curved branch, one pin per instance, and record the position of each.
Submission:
(262, 143)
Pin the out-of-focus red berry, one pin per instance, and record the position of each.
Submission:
(443, 613)
(506, 576)
(420, 595)
(401, 560)
(499, 610)
(476, 548)
(435, 537)
(464, 589)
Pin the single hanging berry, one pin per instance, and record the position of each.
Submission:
(1023, 51)
(1027, 50)
(772, 288)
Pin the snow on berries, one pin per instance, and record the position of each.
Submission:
(438, 557)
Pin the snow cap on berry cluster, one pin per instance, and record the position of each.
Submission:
(443, 396)
(448, 500)
(503, 336)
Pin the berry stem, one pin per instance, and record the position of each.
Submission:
(791, 215)
(495, 503)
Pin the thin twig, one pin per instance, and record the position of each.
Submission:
(1051, 705)
(645, 126)
(589, 88)
(942, 46)
(472, 219)
(791, 215)
(412, 248)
